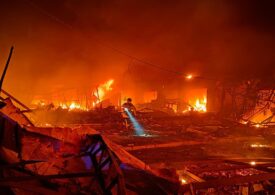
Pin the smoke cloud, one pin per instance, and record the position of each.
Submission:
(69, 43)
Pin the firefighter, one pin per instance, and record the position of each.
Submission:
(130, 106)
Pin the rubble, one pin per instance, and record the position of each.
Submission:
(68, 161)
(107, 150)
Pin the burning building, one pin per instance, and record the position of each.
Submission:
(73, 99)
(200, 76)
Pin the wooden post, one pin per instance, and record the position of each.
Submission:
(5, 69)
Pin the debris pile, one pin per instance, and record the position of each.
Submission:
(66, 160)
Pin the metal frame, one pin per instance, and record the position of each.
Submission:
(105, 168)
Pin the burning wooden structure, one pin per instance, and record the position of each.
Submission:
(65, 160)
(181, 146)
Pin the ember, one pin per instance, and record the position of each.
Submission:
(183, 181)
(253, 163)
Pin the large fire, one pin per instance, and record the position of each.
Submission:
(72, 106)
(102, 90)
(196, 99)
(98, 95)
(199, 105)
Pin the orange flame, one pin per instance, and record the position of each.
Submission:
(72, 106)
(199, 105)
(102, 90)
(99, 93)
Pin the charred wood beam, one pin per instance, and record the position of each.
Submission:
(101, 156)
(112, 184)
(16, 100)
(121, 181)
(96, 151)
(5, 69)
(108, 159)
(268, 120)
(99, 175)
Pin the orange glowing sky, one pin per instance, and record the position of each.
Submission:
(69, 43)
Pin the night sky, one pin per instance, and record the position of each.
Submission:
(72, 43)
